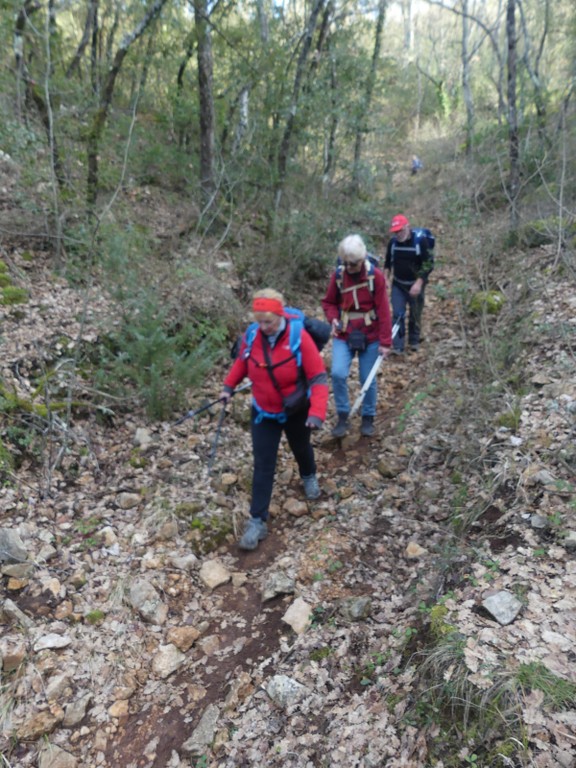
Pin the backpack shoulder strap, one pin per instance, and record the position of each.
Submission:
(249, 336)
(339, 276)
(370, 267)
(296, 326)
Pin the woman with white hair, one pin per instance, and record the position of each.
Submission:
(356, 304)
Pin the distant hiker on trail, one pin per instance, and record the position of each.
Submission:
(356, 304)
(408, 262)
(417, 165)
(289, 394)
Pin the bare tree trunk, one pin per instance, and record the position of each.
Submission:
(101, 114)
(90, 16)
(207, 118)
(407, 23)
(533, 68)
(94, 54)
(492, 33)
(32, 89)
(284, 151)
(466, 89)
(242, 103)
(29, 7)
(330, 147)
(514, 180)
(262, 21)
(181, 127)
(362, 127)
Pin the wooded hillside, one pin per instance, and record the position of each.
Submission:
(159, 162)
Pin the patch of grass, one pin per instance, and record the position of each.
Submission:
(11, 295)
(479, 725)
(6, 463)
(558, 693)
(85, 532)
(510, 419)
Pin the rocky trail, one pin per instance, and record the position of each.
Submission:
(136, 634)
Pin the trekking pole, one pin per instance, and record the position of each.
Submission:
(191, 414)
(366, 385)
(370, 378)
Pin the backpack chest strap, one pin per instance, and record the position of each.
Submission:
(368, 317)
(353, 289)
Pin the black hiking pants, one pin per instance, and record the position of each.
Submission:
(265, 443)
(401, 301)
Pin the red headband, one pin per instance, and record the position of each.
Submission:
(268, 305)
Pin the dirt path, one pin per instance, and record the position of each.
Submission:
(248, 638)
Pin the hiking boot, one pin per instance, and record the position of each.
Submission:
(311, 487)
(367, 428)
(413, 347)
(341, 427)
(254, 532)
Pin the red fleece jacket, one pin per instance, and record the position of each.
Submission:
(335, 302)
(263, 390)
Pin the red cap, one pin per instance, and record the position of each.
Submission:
(398, 223)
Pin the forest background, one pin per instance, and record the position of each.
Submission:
(164, 159)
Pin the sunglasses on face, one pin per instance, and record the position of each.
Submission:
(351, 263)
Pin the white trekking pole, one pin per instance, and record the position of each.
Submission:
(366, 385)
(370, 378)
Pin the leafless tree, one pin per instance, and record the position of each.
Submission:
(514, 154)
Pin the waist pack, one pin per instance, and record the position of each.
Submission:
(297, 401)
(357, 341)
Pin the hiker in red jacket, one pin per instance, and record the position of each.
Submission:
(356, 304)
(289, 394)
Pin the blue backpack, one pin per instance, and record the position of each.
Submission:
(297, 322)
(421, 234)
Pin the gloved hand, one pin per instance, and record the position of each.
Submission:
(226, 394)
(313, 422)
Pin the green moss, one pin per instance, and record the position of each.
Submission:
(3, 267)
(137, 460)
(208, 533)
(438, 626)
(95, 617)
(188, 509)
(4, 280)
(490, 302)
(321, 653)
